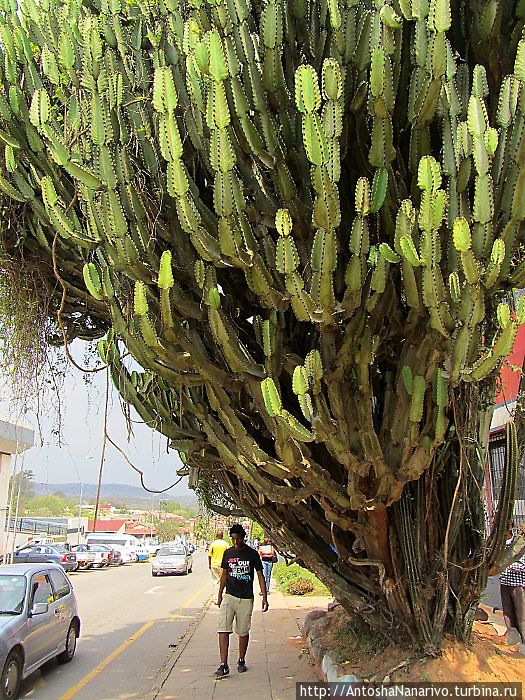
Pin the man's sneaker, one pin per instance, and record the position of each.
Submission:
(222, 671)
(241, 666)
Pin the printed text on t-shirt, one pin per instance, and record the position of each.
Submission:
(239, 569)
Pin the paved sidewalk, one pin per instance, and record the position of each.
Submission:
(275, 658)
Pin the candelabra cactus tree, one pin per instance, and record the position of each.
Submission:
(303, 219)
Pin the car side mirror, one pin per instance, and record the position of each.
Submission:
(39, 609)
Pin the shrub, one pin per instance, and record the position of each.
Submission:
(300, 586)
(284, 575)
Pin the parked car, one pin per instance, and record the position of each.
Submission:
(83, 557)
(36, 554)
(38, 621)
(142, 552)
(127, 556)
(115, 555)
(100, 555)
(172, 560)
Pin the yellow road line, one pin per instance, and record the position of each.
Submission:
(114, 654)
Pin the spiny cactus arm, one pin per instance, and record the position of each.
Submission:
(134, 390)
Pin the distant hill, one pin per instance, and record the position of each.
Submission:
(120, 492)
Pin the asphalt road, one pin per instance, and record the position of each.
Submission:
(129, 619)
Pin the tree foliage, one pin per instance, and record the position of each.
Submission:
(52, 505)
(303, 220)
(21, 488)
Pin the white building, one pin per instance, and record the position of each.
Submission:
(14, 439)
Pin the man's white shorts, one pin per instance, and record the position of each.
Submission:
(238, 610)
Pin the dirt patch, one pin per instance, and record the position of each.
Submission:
(370, 657)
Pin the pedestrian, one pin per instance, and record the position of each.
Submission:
(215, 552)
(268, 558)
(512, 588)
(239, 564)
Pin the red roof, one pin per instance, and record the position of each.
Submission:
(106, 525)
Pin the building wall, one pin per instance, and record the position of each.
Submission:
(5, 470)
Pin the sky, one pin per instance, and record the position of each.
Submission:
(78, 456)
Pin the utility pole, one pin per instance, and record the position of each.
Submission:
(80, 510)
(80, 501)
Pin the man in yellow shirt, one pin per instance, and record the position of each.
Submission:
(217, 549)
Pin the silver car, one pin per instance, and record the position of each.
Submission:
(173, 559)
(38, 621)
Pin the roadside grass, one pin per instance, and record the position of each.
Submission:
(299, 578)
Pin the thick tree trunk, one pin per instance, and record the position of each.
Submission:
(416, 568)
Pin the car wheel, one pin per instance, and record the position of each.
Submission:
(11, 676)
(154, 573)
(71, 645)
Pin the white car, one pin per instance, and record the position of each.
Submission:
(100, 554)
(172, 559)
(128, 556)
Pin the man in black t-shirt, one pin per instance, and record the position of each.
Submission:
(239, 564)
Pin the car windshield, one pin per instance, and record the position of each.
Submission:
(12, 594)
(170, 552)
(59, 548)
